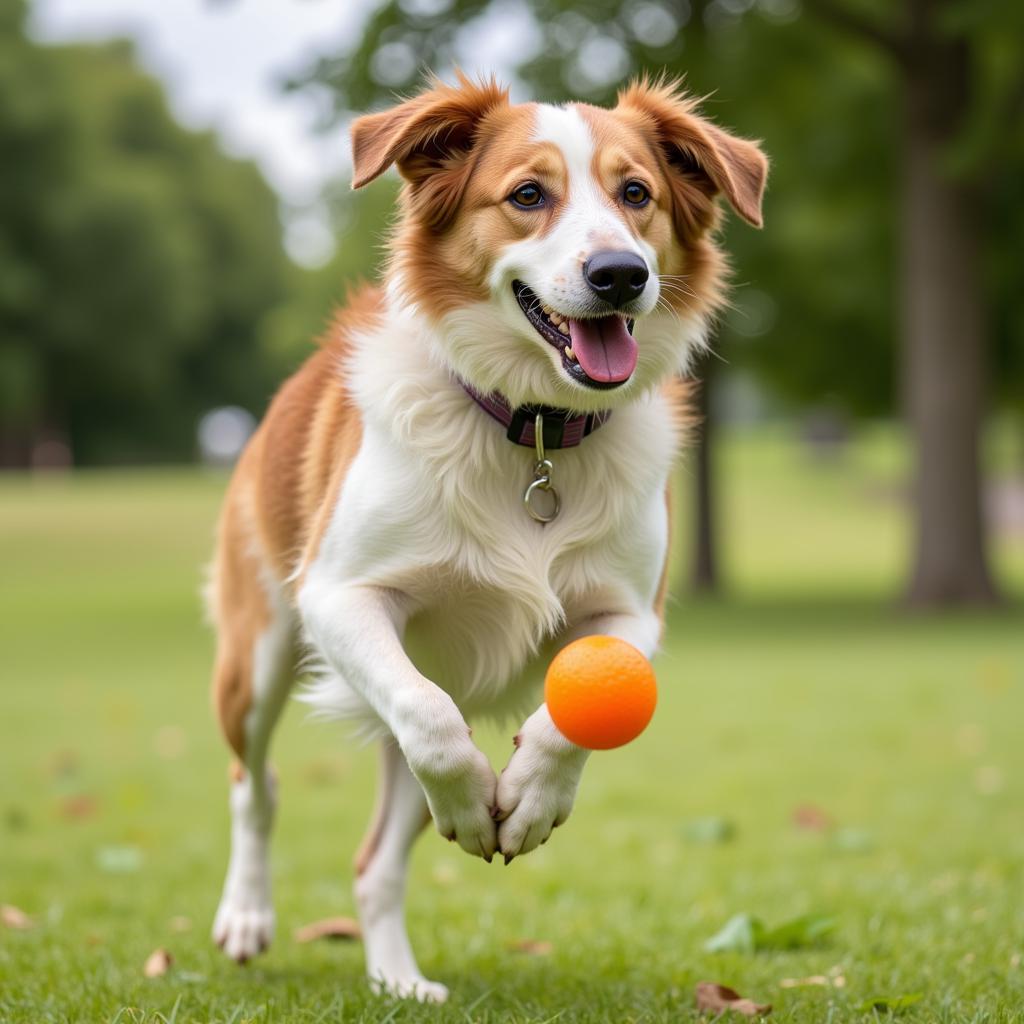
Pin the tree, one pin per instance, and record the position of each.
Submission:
(937, 48)
(136, 260)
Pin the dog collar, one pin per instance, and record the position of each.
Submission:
(562, 427)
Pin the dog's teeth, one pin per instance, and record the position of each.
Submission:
(563, 327)
(569, 352)
(555, 318)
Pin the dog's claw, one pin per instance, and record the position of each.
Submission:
(509, 857)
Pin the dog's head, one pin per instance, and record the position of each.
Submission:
(565, 253)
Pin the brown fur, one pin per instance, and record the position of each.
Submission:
(278, 504)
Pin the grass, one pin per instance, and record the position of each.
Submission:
(806, 688)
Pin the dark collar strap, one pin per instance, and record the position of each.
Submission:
(562, 427)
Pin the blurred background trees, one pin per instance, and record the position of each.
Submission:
(895, 132)
(143, 280)
(135, 260)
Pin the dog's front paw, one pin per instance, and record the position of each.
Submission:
(461, 796)
(410, 987)
(535, 795)
(243, 927)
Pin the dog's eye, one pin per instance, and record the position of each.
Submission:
(635, 194)
(527, 196)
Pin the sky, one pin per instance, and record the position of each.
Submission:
(222, 62)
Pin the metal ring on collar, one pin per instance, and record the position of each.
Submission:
(542, 483)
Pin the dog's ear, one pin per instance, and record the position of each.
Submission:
(429, 138)
(702, 158)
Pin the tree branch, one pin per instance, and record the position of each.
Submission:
(837, 14)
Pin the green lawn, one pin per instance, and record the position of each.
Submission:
(806, 688)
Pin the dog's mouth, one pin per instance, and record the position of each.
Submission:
(598, 352)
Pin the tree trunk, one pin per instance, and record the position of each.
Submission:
(704, 577)
(944, 349)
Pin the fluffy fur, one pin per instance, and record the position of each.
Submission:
(377, 516)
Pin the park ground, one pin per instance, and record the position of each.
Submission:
(816, 751)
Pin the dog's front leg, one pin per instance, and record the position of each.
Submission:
(357, 630)
(537, 788)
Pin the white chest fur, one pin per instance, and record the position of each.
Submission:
(432, 508)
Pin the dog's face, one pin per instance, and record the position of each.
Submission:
(564, 252)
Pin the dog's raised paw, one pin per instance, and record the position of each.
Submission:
(243, 931)
(461, 803)
(535, 795)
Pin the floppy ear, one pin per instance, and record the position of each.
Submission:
(700, 155)
(429, 138)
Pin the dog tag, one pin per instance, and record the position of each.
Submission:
(540, 498)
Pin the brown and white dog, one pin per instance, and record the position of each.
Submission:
(557, 260)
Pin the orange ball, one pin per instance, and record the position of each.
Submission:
(600, 692)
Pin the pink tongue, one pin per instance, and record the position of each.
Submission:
(605, 349)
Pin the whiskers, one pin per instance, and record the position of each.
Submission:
(675, 285)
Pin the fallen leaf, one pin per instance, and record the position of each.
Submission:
(811, 818)
(12, 917)
(738, 935)
(797, 933)
(329, 928)
(720, 998)
(743, 933)
(79, 806)
(531, 947)
(814, 979)
(158, 963)
(709, 831)
(889, 1004)
(180, 923)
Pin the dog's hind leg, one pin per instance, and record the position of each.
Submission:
(254, 672)
(401, 815)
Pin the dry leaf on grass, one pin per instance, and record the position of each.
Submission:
(814, 979)
(12, 917)
(78, 807)
(531, 947)
(812, 818)
(329, 928)
(720, 998)
(158, 963)
(180, 923)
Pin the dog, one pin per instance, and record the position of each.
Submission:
(471, 472)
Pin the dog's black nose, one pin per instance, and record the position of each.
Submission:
(617, 277)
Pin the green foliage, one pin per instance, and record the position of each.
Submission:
(136, 259)
(744, 933)
(361, 221)
(891, 1004)
(815, 302)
